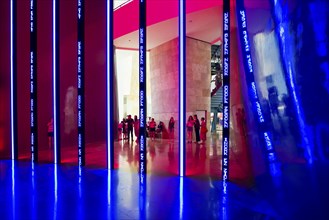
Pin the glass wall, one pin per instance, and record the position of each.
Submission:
(45, 106)
(68, 82)
(23, 79)
(304, 56)
(95, 83)
(5, 147)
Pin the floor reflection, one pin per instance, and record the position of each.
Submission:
(48, 191)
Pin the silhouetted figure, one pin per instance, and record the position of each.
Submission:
(130, 128)
(152, 126)
(189, 127)
(136, 128)
(120, 130)
(204, 130)
(273, 98)
(197, 129)
(50, 129)
(171, 127)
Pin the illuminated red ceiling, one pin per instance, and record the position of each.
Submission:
(203, 20)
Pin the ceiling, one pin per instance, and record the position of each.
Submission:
(204, 25)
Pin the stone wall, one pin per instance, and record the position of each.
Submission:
(164, 77)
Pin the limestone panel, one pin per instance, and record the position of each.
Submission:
(164, 79)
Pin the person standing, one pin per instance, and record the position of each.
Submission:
(130, 126)
(120, 126)
(136, 128)
(124, 128)
(152, 128)
(203, 130)
(171, 127)
(197, 129)
(189, 127)
(50, 130)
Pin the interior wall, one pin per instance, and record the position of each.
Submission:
(68, 81)
(5, 148)
(44, 78)
(198, 77)
(164, 82)
(95, 79)
(23, 79)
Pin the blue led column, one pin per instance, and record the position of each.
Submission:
(226, 94)
(109, 83)
(252, 90)
(142, 91)
(13, 77)
(81, 82)
(142, 108)
(33, 80)
(182, 86)
(56, 94)
(284, 40)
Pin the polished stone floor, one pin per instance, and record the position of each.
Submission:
(48, 191)
(202, 160)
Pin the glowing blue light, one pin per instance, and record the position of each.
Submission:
(80, 181)
(181, 86)
(33, 191)
(13, 189)
(55, 191)
(181, 197)
(12, 79)
(248, 66)
(285, 40)
(109, 188)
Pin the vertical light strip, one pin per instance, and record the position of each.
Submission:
(55, 192)
(13, 110)
(13, 187)
(142, 93)
(182, 80)
(284, 44)
(12, 77)
(34, 191)
(56, 80)
(109, 83)
(81, 82)
(264, 133)
(33, 81)
(181, 197)
(142, 109)
(226, 95)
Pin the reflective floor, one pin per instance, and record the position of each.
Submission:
(47, 191)
(202, 160)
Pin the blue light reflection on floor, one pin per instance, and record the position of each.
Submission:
(302, 193)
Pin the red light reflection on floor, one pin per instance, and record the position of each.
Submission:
(162, 158)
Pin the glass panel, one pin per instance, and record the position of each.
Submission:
(45, 108)
(95, 83)
(162, 86)
(68, 82)
(23, 79)
(5, 147)
(203, 87)
(126, 42)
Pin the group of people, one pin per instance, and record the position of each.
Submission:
(128, 125)
(153, 128)
(126, 128)
(200, 129)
